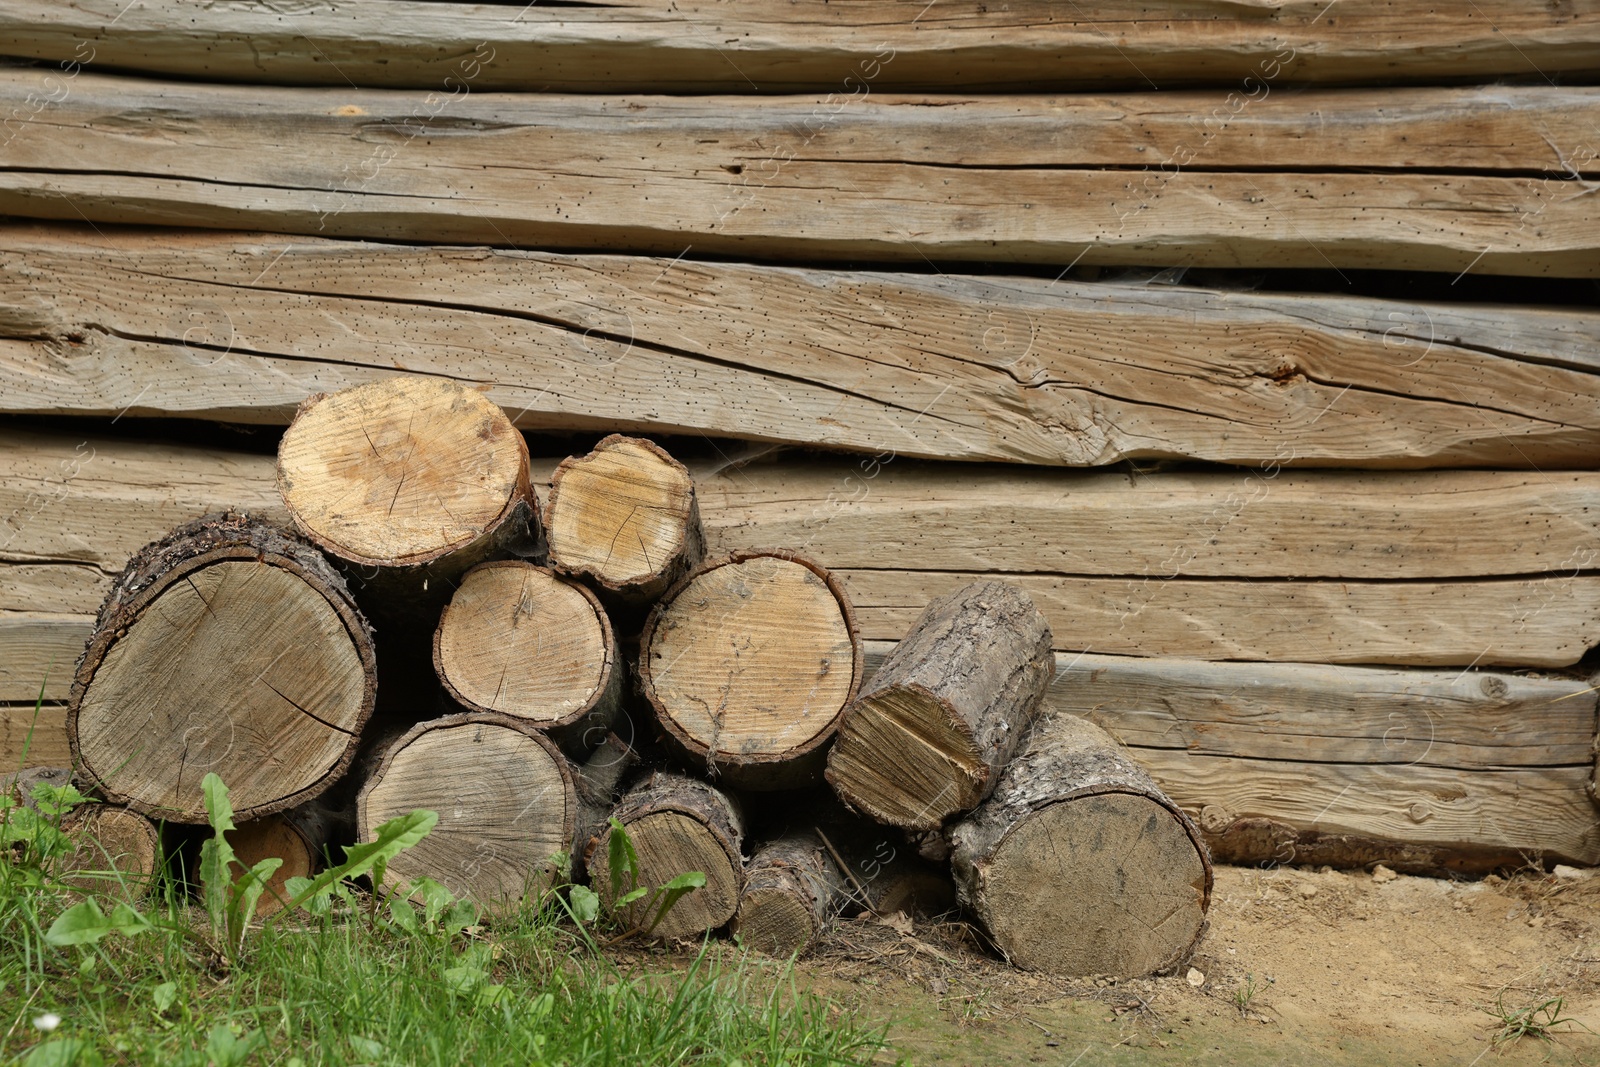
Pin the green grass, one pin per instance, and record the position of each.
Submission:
(350, 992)
(177, 983)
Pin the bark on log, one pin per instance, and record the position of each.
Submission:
(771, 46)
(1019, 370)
(749, 664)
(518, 639)
(931, 732)
(116, 852)
(505, 799)
(678, 824)
(230, 646)
(598, 782)
(280, 835)
(624, 517)
(1078, 864)
(792, 891)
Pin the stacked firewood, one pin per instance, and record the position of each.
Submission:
(423, 634)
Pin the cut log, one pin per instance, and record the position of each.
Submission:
(678, 825)
(597, 783)
(722, 181)
(230, 646)
(519, 639)
(278, 836)
(407, 472)
(749, 664)
(625, 517)
(792, 891)
(930, 733)
(116, 853)
(505, 800)
(1078, 864)
(1064, 373)
(771, 46)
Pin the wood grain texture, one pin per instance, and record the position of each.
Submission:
(116, 853)
(33, 737)
(1078, 864)
(273, 837)
(895, 365)
(625, 517)
(1542, 811)
(227, 646)
(770, 46)
(740, 181)
(749, 664)
(792, 891)
(505, 799)
(518, 639)
(941, 717)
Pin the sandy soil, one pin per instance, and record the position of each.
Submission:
(1299, 967)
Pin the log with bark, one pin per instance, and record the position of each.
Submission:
(793, 889)
(624, 517)
(1078, 864)
(230, 646)
(116, 852)
(676, 825)
(519, 639)
(933, 729)
(280, 836)
(505, 798)
(749, 664)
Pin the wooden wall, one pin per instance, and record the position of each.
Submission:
(1159, 316)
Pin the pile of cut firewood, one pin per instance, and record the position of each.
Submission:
(420, 633)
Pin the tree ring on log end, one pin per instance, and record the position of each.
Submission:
(505, 799)
(622, 514)
(751, 661)
(518, 639)
(401, 471)
(1106, 884)
(670, 843)
(773, 921)
(232, 662)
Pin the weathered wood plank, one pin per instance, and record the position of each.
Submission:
(33, 740)
(1063, 373)
(1536, 622)
(670, 176)
(1317, 713)
(40, 649)
(1544, 811)
(773, 46)
(66, 499)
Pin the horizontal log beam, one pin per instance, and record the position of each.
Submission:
(1431, 568)
(889, 180)
(951, 367)
(773, 46)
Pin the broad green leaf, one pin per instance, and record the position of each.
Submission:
(435, 898)
(392, 838)
(246, 894)
(227, 1050)
(365, 1046)
(585, 904)
(673, 891)
(628, 898)
(622, 860)
(216, 854)
(403, 914)
(62, 1052)
(126, 920)
(163, 995)
(82, 924)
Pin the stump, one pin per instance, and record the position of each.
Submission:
(678, 825)
(933, 729)
(505, 800)
(792, 890)
(520, 640)
(625, 517)
(116, 853)
(1078, 864)
(230, 646)
(407, 472)
(749, 664)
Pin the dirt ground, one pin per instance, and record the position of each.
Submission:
(1299, 967)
